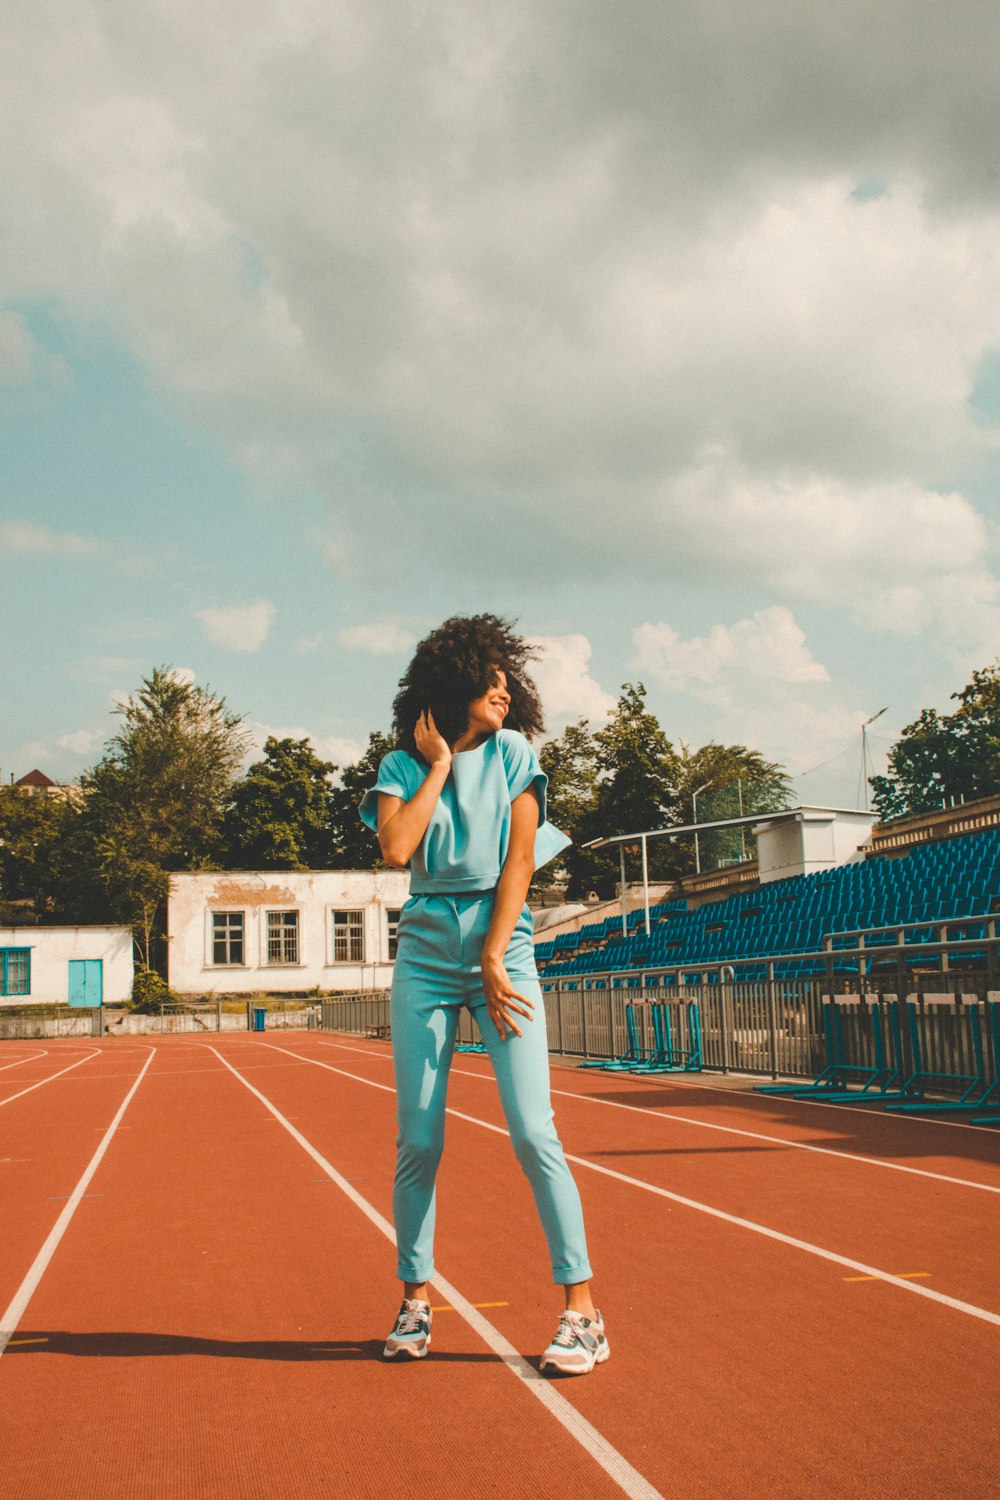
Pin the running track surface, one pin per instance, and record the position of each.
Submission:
(198, 1283)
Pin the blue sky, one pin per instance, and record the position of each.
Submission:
(310, 341)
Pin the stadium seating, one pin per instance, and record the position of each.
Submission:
(936, 881)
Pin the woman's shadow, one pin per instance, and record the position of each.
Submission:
(125, 1345)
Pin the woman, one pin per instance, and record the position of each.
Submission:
(462, 803)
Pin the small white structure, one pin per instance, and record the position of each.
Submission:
(65, 965)
(277, 932)
(808, 839)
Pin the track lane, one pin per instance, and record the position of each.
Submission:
(887, 1220)
(45, 1143)
(765, 1357)
(213, 1325)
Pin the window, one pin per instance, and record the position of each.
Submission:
(15, 971)
(227, 937)
(282, 937)
(348, 937)
(392, 915)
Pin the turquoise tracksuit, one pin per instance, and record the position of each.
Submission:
(440, 937)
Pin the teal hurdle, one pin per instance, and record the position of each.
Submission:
(690, 1056)
(832, 1074)
(911, 1087)
(631, 1055)
(976, 1082)
(876, 1082)
(661, 1053)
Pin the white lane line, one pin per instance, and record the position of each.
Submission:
(51, 1079)
(969, 1308)
(22, 1060)
(752, 1135)
(593, 1442)
(14, 1313)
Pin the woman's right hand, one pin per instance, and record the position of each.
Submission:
(429, 740)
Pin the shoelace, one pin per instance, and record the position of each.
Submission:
(410, 1320)
(566, 1334)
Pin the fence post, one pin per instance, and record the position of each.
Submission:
(772, 1021)
(724, 1024)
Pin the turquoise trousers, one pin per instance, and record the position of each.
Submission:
(437, 971)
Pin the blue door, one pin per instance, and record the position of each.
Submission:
(86, 981)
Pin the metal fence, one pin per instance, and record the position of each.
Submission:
(771, 1028)
(168, 1020)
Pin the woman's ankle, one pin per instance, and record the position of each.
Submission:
(579, 1299)
(415, 1291)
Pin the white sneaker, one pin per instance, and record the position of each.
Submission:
(412, 1333)
(578, 1346)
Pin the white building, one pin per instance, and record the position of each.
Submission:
(282, 931)
(65, 965)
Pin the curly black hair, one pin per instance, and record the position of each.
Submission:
(457, 663)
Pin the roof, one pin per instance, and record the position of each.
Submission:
(35, 778)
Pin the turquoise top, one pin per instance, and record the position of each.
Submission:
(466, 841)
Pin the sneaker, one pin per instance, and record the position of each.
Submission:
(412, 1333)
(578, 1346)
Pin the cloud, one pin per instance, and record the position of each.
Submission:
(381, 637)
(27, 538)
(562, 674)
(340, 749)
(238, 627)
(732, 660)
(82, 741)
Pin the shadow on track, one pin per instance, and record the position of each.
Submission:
(126, 1345)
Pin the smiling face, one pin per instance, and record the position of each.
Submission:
(486, 714)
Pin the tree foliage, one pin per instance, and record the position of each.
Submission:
(34, 831)
(944, 758)
(355, 846)
(280, 814)
(154, 802)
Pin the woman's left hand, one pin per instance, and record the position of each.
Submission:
(503, 1001)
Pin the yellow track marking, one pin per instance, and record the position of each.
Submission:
(474, 1304)
(900, 1275)
(14, 1342)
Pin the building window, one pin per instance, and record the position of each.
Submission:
(392, 914)
(282, 937)
(348, 937)
(15, 971)
(227, 937)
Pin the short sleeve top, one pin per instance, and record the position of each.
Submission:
(466, 841)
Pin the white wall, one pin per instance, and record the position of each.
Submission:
(819, 838)
(313, 895)
(53, 947)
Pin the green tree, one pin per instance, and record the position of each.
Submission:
(727, 781)
(636, 791)
(34, 830)
(154, 803)
(943, 758)
(570, 763)
(279, 815)
(355, 846)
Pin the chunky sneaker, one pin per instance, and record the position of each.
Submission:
(412, 1333)
(578, 1346)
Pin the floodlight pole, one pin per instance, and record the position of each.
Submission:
(645, 883)
(621, 851)
(694, 819)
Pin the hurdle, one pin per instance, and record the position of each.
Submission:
(690, 1056)
(835, 1068)
(633, 1052)
(660, 1056)
(912, 1088)
(880, 1081)
(987, 1092)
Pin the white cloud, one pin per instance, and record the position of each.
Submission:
(340, 749)
(184, 675)
(28, 538)
(238, 627)
(567, 689)
(381, 637)
(82, 741)
(306, 644)
(732, 659)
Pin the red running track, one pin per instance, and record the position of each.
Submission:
(211, 1319)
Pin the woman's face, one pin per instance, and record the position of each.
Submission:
(486, 714)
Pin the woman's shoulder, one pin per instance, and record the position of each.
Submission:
(400, 765)
(514, 749)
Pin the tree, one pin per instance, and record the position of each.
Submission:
(355, 846)
(280, 814)
(34, 830)
(570, 763)
(943, 758)
(636, 791)
(727, 781)
(154, 802)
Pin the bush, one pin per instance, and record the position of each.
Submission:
(150, 991)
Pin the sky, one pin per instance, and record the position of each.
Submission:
(671, 332)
